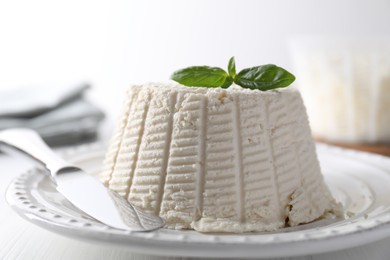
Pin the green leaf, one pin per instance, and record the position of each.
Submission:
(229, 80)
(264, 77)
(232, 67)
(202, 76)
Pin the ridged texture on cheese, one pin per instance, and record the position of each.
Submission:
(217, 160)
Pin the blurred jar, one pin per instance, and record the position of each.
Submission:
(345, 83)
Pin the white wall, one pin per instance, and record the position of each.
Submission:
(116, 43)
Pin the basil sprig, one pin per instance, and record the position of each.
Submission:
(263, 77)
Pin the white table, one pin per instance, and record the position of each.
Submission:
(20, 239)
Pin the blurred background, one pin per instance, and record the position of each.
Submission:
(93, 50)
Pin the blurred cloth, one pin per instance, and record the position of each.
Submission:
(62, 116)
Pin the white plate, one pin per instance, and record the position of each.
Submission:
(358, 180)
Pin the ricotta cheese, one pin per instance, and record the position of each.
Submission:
(217, 160)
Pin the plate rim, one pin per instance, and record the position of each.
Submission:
(216, 246)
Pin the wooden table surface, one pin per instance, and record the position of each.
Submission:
(383, 149)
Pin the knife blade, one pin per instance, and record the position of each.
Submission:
(81, 189)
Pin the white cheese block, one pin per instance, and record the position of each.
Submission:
(217, 160)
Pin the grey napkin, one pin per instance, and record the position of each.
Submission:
(33, 101)
(61, 117)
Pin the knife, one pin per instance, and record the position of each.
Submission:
(82, 190)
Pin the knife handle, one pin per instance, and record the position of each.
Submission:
(30, 143)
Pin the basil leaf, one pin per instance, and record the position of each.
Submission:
(202, 76)
(232, 67)
(264, 77)
(228, 82)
